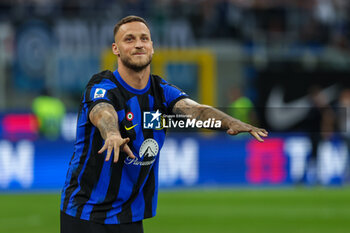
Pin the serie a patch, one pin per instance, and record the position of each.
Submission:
(99, 93)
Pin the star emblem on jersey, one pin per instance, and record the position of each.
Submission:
(129, 116)
(149, 148)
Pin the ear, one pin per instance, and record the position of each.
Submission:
(115, 49)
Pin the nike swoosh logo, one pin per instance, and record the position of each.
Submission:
(282, 115)
(129, 128)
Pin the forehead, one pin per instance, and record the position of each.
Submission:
(133, 28)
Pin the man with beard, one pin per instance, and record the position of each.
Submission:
(104, 194)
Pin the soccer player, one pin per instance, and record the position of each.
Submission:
(112, 181)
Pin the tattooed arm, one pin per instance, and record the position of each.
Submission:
(105, 118)
(204, 112)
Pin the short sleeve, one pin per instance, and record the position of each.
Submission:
(173, 94)
(97, 93)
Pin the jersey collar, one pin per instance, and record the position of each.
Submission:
(130, 88)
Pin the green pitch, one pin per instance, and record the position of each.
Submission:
(205, 211)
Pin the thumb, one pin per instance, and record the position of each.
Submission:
(127, 150)
(125, 141)
(231, 132)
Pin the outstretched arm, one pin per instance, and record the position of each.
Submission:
(203, 112)
(105, 118)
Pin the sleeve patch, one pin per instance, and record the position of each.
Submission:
(99, 93)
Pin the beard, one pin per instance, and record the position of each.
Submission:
(136, 66)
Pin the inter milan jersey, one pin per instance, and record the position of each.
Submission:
(126, 191)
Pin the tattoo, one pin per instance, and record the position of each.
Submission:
(204, 112)
(105, 118)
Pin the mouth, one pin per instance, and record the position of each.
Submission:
(139, 53)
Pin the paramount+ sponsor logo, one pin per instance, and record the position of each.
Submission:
(147, 154)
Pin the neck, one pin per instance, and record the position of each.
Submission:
(137, 80)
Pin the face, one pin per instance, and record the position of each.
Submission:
(133, 46)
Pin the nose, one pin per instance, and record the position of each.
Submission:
(138, 44)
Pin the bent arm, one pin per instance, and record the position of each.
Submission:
(105, 118)
(204, 112)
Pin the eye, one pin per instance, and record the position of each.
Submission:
(128, 39)
(144, 38)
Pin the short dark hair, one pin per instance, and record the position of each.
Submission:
(128, 19)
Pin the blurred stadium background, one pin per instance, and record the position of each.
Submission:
(283, 65)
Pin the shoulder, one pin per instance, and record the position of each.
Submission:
(106, 74)
(158, 79)
(163, 83)
(102, 79)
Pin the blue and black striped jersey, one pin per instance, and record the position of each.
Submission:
(126, 191)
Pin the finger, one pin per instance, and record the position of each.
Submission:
(116, 153)
(103, 148)
(256, 135)
(109, 152)
(125, 141)
(262, 134)
(127, 150)
(265, 131)
(231, 132)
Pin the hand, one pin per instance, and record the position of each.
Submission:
(114, 142)
(240, 127)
